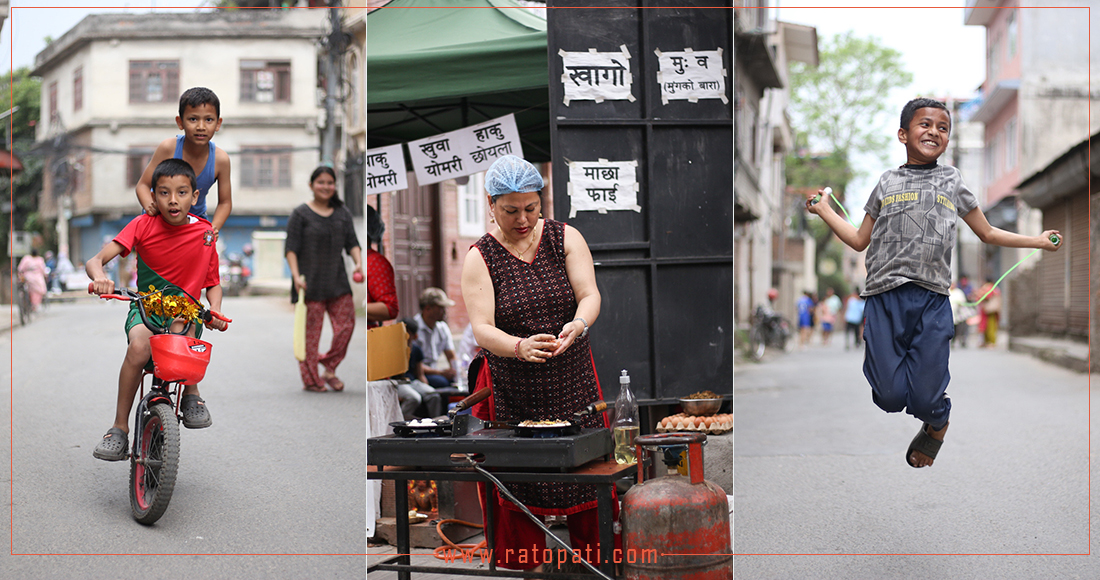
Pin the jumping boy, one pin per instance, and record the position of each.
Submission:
(910, 227)
(199, 119)
(173, 247)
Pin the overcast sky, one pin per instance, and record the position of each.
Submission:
(31, 21)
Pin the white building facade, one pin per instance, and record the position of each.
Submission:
(110, 94)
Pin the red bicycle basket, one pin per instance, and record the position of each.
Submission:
(179, 358)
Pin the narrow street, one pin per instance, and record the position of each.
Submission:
(281, 471)
(819, 469)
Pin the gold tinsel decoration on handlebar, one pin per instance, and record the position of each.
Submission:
(169, 306)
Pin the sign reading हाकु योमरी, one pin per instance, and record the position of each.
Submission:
(464, 151)
(386, 169)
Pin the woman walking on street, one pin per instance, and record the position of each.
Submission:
(33, 270)
(317, 234)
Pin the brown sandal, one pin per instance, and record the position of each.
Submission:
(334, 383)
(314, 388)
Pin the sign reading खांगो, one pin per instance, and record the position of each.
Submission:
(386, 169)
(603, 185)
(464, 151)
(596, 76)
(691, 75)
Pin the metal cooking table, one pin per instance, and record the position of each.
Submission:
(600, 472)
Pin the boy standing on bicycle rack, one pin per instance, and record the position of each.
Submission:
(172, 247)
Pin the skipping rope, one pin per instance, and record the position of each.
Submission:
(1054, 239)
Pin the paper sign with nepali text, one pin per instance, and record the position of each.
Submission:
(386, 169)
(691, 75)
(464, 151)
(596, 76)
(603, 186)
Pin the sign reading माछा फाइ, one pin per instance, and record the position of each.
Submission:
(603, 186)
(386, 169)
(691, 75)
(464, 151)
(596, 76)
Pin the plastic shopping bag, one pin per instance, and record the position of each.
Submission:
(300, 327)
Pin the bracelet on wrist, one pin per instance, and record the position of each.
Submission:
(517, 347)
(585, 323)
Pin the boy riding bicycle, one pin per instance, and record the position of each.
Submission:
(172, 247)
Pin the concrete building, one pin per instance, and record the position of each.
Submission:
(767, 252)
(1034, 103)
(1035, 108)
(110, 94)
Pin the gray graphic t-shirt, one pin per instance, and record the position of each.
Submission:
(915, 213)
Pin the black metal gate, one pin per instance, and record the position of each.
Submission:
(665, 273)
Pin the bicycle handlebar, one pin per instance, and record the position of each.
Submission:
(128, 295)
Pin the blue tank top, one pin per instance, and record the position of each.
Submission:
(205, 180)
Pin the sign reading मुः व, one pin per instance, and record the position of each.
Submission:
(464, 151)
(386, 169)
(603, 186)
(691, 75)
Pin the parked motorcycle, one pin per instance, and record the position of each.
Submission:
(234, 274)
(769, 328)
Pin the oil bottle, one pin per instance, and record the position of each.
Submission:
(626, 426)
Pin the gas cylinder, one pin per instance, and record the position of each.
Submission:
(676, 527)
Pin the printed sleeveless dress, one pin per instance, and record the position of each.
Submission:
(536, 298)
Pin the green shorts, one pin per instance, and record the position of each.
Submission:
(134, 318)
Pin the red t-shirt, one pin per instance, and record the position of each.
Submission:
(380, 284)
(184, 255)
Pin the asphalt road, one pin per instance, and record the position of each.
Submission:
(822, 489)
(274, 489)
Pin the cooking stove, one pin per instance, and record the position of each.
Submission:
(492, 448)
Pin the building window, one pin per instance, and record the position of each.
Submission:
(53, 101)
(1010, 145)
(78, 88)
(265, 81)
(137, 159)
(265, 167)
(471, 207)
(154, 81)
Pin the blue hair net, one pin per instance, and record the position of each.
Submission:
(511, 174)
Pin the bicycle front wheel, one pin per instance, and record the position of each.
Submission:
(757, 343)
(153, 467)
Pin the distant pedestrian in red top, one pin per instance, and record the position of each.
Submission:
(381, 291)
(317, 234)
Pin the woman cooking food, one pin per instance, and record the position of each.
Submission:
(530, 291)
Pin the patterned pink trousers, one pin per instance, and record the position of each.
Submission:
(341, 311)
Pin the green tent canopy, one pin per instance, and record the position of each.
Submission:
(434, 67)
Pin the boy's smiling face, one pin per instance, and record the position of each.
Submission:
(926, 138)
(174, 197)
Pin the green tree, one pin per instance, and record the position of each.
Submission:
(838, 109)
(26, 93)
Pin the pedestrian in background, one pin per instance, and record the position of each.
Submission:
(805, 307)
(961, 311)
(33, 270)
(829, 308)
(381, 290)
(317, 234)
(853, 318)
(990, 311)
(435, 338)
